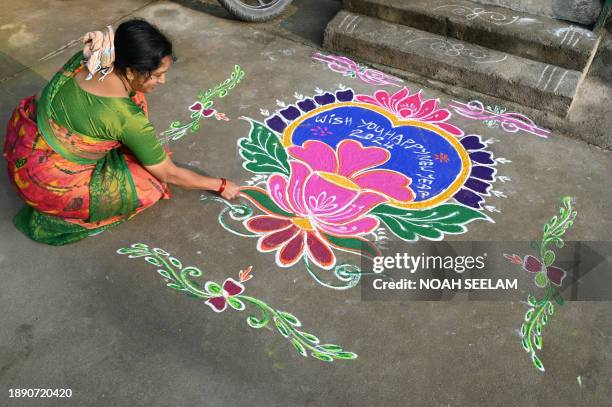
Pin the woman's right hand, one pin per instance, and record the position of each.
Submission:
(231, 190)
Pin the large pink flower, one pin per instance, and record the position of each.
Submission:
(325, 201)
(408, 106)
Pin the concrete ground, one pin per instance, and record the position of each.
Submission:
(85, 318)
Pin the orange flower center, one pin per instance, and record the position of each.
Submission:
(302, 223)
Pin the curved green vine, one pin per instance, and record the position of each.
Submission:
(185, 280)
(236, 212)
(178, 130)
(540, 310)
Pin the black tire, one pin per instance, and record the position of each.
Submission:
(242, 10)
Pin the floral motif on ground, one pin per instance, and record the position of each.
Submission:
(334, 170)
(230, 295)
(547, 277)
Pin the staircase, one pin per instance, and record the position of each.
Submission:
(531, 60)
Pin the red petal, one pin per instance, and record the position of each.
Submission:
(275, 240)
(532, 264)
(320, 251)
(556, 275)
(292, 251)
(218, 304)
(232, 287)
(265, 223)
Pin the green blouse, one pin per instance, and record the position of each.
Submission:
(108, 118)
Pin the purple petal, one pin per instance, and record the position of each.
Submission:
(325, 99)
(532, 264)
(472, 143)
(345, 95)
(306, 105)
(217, 304)
(467, 197)
(276, 123)
(555, 274)
(477, 185)
(481, 172)
(482, 157)
(290, 113)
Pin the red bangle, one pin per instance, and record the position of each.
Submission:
(222, 187)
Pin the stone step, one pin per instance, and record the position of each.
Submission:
(531, 83)
(535, 37)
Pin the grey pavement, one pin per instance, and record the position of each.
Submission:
(85, 318)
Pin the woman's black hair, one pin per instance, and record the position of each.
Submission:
(140, 46)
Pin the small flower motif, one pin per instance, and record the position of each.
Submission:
(198, 107)
(225, 295)
(554, 274)
(407, 106)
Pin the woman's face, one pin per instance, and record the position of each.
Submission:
(148, 84)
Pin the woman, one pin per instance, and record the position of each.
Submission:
(83, 154)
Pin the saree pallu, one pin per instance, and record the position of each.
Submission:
(74, 185)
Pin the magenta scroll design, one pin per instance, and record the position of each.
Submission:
(510, 122)
(348, 67)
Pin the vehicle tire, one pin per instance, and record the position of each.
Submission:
(255, 10)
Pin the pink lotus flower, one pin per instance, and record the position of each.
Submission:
(231, 288)
(326, 200)
(407, 106)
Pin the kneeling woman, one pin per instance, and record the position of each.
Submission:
(84, 155)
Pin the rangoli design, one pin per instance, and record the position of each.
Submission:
(230, 294)
(331, 171)
(203, 108)
(546, 277)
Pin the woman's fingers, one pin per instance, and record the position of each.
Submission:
(231, 190)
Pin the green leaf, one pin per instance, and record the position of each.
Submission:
(537, 341)
(539, 328)
(551, 308)
(428, 223)
(235, 303)
(174, 286)
(531, 300)
(525, 343)
(549, 258)
(175, 262)
(256, 323)
(212, 288)
(559, 299)
(353, 244)
(154, 261)
(544, 319)
(310, 338)
(529, 314)
(289, 318)
(263, 151)
(164, 274)
(263, 200)
(331, 347)
(281, 327)
(161, 252)
(300, 348)
(346, 355)
(322, 356)
(523, 330)
(537, 362)
(541, 280)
